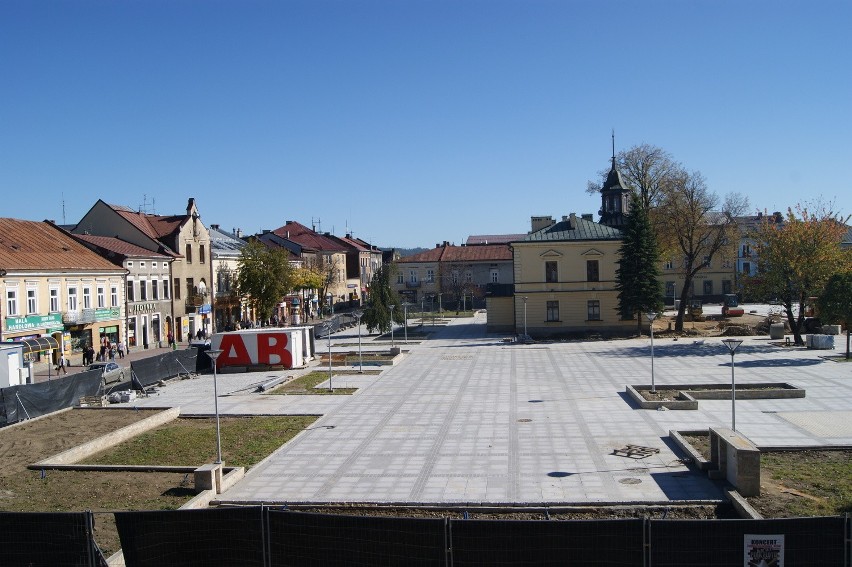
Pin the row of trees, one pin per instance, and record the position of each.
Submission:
(674, 214)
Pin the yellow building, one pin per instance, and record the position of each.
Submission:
(565, 279)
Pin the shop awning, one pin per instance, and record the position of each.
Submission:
(38, 344)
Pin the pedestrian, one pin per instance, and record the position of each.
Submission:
(61, 366)
(120, 349)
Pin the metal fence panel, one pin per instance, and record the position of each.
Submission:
(299, 539)
(53, 539)
(210, 537)
(27, 401)
(808, 542)
(543, 543)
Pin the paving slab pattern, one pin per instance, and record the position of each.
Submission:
(466, 419)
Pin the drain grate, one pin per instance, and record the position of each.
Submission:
(457, 357)
(630, 480)
(635, 451)
(524, 420)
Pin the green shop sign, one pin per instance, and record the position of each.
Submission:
(107, 314)
(34, 322)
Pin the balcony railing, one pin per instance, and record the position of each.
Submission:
(411, 285)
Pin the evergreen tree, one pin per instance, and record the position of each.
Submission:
(637, 276)
(377, 314)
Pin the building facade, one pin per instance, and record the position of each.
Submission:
(182, 236)
(58, 295)
(148, 303)
(453, 277)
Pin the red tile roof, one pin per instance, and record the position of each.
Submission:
(307, 238)
(154, 226)
(33, 245)
(483, 253)
(122, 247)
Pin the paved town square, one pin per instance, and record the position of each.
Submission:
(466, 418)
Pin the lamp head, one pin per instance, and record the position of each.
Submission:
(651, 315)
(214, 353)
(732, 344)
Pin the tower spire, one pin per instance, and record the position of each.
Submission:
(613, 148)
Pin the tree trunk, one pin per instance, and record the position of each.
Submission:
(847, 341)
(684, 294)
(639, 324)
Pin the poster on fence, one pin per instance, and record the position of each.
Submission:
(763, 550)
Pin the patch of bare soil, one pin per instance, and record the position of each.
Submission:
(553, 513)
(36, 440)
(24, 490)
(714, 326)
(661, 395)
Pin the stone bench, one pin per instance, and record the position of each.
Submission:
(736, 459)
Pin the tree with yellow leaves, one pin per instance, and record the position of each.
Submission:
(797, 257)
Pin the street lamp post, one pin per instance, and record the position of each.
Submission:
(440, 306)
(405, 307)
(358, 314)
(328, 336)
(651, 315)
(525, 317)
(391, 323)
(214, 354)
(733, 345)
(422, 309)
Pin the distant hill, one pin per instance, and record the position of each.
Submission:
(403, 252)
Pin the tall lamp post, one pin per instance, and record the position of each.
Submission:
(651, 315)
(733, 345)
(328, 336)
(214, 354)
(525, 316)
(391, 323)
(405, 306)
(358, 314)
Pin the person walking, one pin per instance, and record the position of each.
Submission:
(120, 347)
(61, 366)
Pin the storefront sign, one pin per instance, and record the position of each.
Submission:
(33, 322)
(107, 314)
(143, 307)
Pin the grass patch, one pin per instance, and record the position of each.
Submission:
(306, 385)
(192, 442)
(805, 483)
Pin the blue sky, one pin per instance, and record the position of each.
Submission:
(412, 122)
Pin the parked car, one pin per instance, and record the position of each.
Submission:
(110, 371)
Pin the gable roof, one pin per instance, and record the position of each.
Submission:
(34, 245)
(307, 238)
(483, 253)
(574, 228)
(154, 226)
(121, 247)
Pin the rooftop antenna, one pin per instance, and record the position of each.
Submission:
(316, 222)
(63, 207)
(145, 208)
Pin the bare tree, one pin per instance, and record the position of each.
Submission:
(696, 227)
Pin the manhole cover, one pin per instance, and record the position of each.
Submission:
(457, 357)
(524, 420)
(630, 481)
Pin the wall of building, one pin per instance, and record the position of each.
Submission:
(501, 316)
